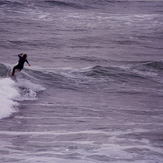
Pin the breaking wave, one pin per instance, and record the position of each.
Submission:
(96, 78)
(14, 90)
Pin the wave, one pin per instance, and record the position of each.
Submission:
(29, 82)
(116, 73)
(71, 77)
(44, 3)
(64, 4)
(105, 5)
(14, 90)
(12, 4)
(158, 65)
(98, 77)
(83, 4)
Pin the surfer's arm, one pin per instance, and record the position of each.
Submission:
(20, 55)
(27, 62)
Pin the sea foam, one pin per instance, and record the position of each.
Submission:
(8, 94)
(14, 91)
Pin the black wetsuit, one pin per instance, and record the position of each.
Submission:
(20, 64)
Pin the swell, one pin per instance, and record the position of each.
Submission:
(138, 78)
(140, 75)
(83, 4)
(158, 65)
(13, 4)
(64, 4)
(96, 71)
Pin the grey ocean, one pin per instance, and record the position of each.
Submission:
(94, 91)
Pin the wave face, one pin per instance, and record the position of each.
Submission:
(103, 77)
(96, 78)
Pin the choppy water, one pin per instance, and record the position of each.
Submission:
(94, 91)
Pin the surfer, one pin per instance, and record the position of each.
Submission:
(20, 65)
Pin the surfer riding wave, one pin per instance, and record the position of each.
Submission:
(20, 65)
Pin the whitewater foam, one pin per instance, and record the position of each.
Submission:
(12, 91)
(8, 94)
(28, 89)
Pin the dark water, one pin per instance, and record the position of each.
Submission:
(94, 90)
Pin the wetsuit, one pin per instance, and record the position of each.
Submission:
(20, 64)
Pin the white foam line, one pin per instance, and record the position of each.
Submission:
(30, 76)
(50, 133)
(111, 133)
(8, 93)
(84, 118)
(72, 141)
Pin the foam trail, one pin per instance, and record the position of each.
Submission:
(27, 89)
(8, 93)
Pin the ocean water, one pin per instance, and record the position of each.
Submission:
(94, 90)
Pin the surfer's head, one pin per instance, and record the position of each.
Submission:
(25, 56)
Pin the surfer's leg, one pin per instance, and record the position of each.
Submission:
(13, 71)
